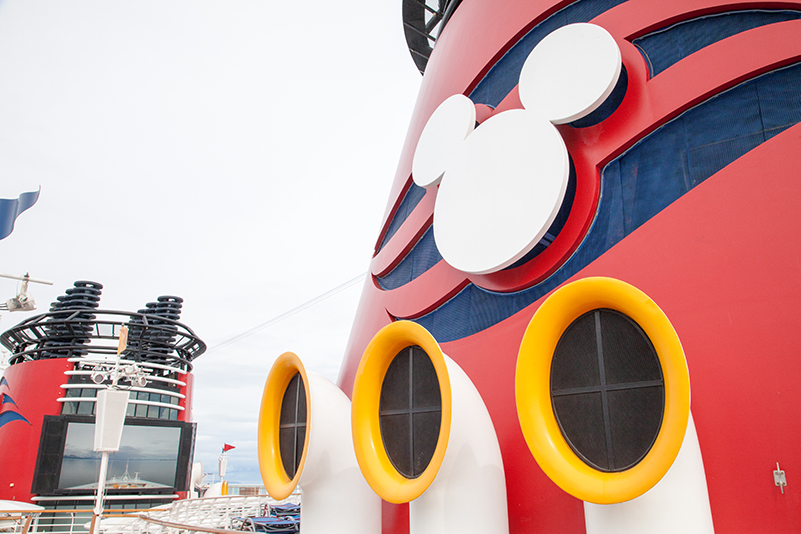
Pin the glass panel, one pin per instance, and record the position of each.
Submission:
(85, 408)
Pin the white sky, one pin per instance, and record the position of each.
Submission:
(238, 154)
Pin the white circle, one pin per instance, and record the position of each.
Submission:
(504, 189)
(570, 73)
(444, 132)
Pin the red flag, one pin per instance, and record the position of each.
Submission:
(227, 447)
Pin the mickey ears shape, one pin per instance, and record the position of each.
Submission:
(570, 73)
(442, 136)
(507, 181)
(567, 76)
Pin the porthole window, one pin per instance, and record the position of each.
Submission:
(401, 411)
(285, 419)
(292, 426)
(602, 390)
(410, 411)
(607, 390)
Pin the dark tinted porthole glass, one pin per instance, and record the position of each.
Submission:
(292, 425)
(410, 411)
(607, 390)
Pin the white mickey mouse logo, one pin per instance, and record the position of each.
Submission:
(501, 185)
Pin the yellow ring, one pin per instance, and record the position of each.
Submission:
(532, 390)
(371, 454)
(276, 480)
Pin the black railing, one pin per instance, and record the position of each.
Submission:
(423, 21)
(151, 338)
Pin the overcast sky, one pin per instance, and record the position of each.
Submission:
(238, 154)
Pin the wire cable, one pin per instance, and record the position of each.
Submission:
(290, 313)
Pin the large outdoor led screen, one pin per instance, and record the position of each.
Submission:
(154, 457)
(147, 458)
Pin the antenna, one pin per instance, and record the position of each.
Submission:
(24, 300)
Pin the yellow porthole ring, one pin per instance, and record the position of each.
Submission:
(276, 481)
(371, 454)
(532, 390)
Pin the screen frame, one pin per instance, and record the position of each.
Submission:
(50, 456)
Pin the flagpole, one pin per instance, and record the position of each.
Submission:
(223, 464)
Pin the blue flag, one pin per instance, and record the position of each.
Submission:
(10, 208)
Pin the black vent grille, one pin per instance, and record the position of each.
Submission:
(292, 425)
(410, 411)
(607, 390)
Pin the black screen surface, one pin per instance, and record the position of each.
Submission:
(154, 457)
(147, 458)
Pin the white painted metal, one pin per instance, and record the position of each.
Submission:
(17, 506)
(109, 419)
(207, 512)
(15, 514)
(195, 480)
(570, 73)
(503, 190)
(336, 498)
(60, 498)
(26, 278)
(169, 393)
(101, 489)
(469, 493)
(678, 503)
(441, 139)
(222, 464)
(150, 378)
(110, 361)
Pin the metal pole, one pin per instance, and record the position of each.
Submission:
(101, 488)
(27, 278)
(101, 482)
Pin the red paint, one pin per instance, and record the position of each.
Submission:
(186, 390)
(34, 386)
(732, 246)
(723, 262)
(394, 517)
